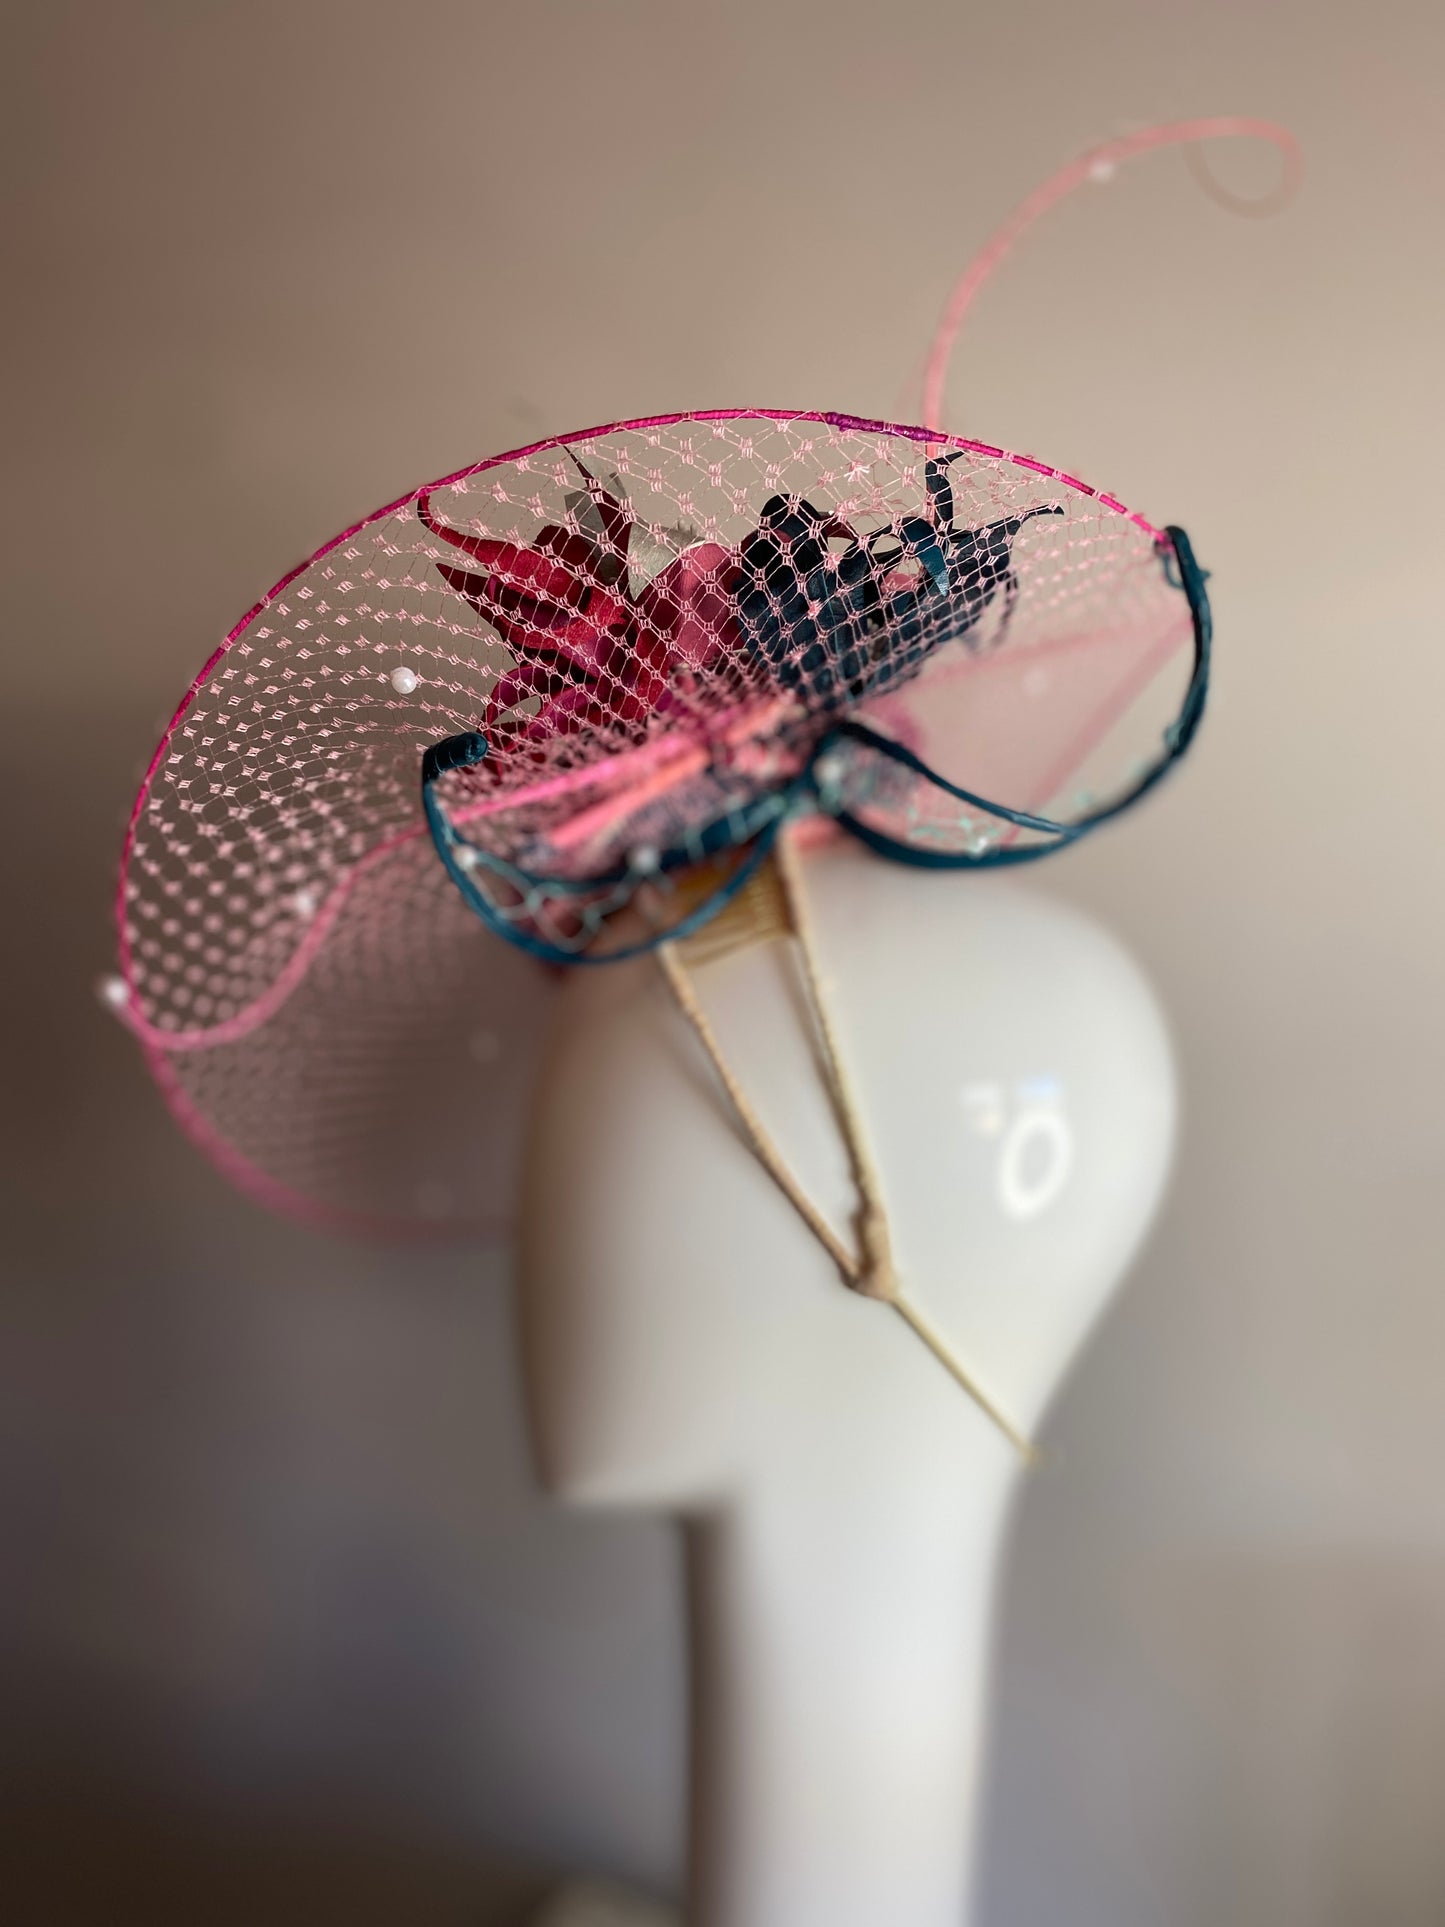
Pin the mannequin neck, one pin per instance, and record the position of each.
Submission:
(690, 1345)
(841, 1639)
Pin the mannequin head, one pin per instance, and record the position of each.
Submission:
(684, 1332)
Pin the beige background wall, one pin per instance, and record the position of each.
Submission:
(287, 1636)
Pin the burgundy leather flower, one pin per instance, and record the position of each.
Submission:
(599, 652)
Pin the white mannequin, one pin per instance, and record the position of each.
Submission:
(690, 1345)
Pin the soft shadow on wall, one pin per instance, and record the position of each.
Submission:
(290, 1635)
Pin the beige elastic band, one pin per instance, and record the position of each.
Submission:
(870, 1270)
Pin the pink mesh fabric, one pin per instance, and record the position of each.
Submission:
(323, 1009)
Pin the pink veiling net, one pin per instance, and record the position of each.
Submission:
(313, 989)
(631, 653)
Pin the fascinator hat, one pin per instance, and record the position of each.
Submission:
(559, 708)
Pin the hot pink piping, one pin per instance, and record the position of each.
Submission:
(750, 719)
(586, 824)
(1085, 167)
(663, 751)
